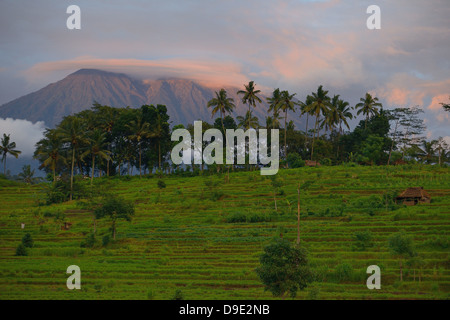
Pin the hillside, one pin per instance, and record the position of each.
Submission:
(193, 238)
(186, 100)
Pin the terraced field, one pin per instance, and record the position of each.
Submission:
(183, 237)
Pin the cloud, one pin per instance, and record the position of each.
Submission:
(207, 72)
(24, 133)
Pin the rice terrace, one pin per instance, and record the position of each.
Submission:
(217, 158)
(203, 236)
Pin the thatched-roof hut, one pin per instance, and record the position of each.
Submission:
(311, 163)
(413, 196)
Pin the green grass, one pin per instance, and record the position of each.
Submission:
(208, 245)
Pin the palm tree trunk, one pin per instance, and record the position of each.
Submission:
(93, 166)
(140, 152)
(314, 137)
(285, 134)
(298, 215)
(4, 165)
(159, 154)
(71, 173)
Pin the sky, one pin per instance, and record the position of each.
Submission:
(293, 45)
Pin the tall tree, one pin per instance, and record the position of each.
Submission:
(285, 104)
(320, 103)
(221, 103)
(446, 106)
(72, 131)
(8, 147)
(368, 106)
(247, 122)
(250, 95)
(158, 132)
(140, 130)
(49, 151)
(97, 148)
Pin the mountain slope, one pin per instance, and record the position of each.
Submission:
(185, 100)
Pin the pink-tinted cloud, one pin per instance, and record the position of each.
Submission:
(209, 73)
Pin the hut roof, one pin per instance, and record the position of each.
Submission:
(416, 192)
(312, 163)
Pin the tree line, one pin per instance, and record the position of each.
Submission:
(116, 141)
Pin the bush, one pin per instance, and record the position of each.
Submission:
(344, 272)
(89, 242)
(21, 250)
(178, 295)
(27, 241)
(438, 242)
(363, 240)
(295, 161)
(105, 240)
(326, 162)
(236, 217)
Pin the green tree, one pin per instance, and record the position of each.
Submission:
(97, 148)
(286, 104)
(250, 95)
(320, 103)
(27, 175)
(115, 208)
(49, 151)
(140, 130)
(221, 103)
(27, 241)
(368, 106)
(72, 131)
(363, 240)
(401, 245)
(21, 250)
(247, 122)
(274, 103)
(284, 268)
(7, 147)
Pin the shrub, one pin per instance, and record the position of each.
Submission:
(295, 161)
(21, 250)
(363, 240)
(89, 242)
(344, 272)
(27, 241)
(236, 217)
(178, 295)
(105, 240)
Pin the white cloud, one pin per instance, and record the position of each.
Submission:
(24, 133)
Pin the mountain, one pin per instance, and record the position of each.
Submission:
(186, 100)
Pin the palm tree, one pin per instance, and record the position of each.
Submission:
(286, 103)
(158, 132)
(247, 122)
(320, 103)
(427, 153)
(368, 106)
(273, 122)
(140, 129)
(344, 113)
(49, 151)
(27, 175)
(274, 102)
(7, 147)
(72, 131)
(304, 108)
(222, 104)
(250, 95)
(97, 145)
